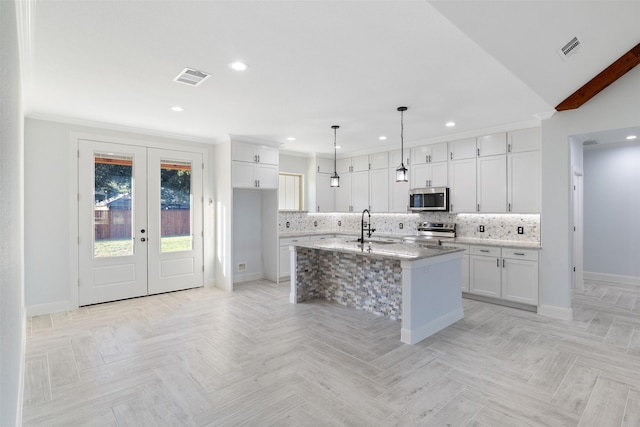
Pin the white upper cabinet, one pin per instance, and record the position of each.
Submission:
(254, 166)
(343, 194)
(462, 183)
(431, 153)
(462, 149)
(325, 194)
(525, 140)
(379, 190)
(343, 165)
(429, 175)
(491, 145)
(324, 165)
(398, 193)
(524, 182)
(395, 158)
(379, 160)
(360, 190)
(253, 153)
(492, 184)
(359, 163)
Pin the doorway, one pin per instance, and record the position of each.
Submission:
(140, 221)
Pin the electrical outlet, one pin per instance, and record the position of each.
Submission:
(481, 228)
(288, 224)
(520, 230)
(315, 223)
(401, 225)
(242, 266)
(339, 223)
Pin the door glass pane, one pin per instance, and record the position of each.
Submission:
(112, 197)
(175, 200)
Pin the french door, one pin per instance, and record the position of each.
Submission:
(140, 221)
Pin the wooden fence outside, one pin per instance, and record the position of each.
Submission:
(116, 224)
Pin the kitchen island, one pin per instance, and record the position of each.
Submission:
(415, 284)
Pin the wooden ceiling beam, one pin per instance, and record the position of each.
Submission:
(609, 75)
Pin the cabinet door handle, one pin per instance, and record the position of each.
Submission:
(484, 250)
(258, 183)
(518, 253)
(318, 208)
(258, 158)
(451, 155)
(508, 148)
(478, 152)
(509, 207)
(502, 263)
(318, 169)
(497, 262)
(478, 207)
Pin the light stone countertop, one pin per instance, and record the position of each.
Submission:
(402, 251)
(499, 243)
(463, 240)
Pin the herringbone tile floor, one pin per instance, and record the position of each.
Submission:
(204, 357)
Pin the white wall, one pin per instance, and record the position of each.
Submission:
(618, 106)
(12, 317)
(612, 210)
(50, 227)
(223, 216)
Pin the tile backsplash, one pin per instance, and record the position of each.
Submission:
(496, 226)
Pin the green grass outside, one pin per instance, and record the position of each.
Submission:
(124, 247)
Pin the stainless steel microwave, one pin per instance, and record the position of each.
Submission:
(429, 199)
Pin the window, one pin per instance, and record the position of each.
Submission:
(290, 192)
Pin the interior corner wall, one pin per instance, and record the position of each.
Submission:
(247, 235)
(12, 313)
(617, 106)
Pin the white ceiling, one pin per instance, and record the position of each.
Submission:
(317, 63)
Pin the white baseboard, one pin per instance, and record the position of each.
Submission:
(247, 277)
(48, 308)
(414, 336)
(555, 312)
(611, 278)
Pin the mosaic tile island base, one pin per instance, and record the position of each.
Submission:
(420, 289)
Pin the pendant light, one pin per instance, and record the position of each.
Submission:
(335, 179)
(402, 174)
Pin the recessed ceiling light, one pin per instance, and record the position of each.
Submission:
(630, 137)
(382, 138)
(291, 138)
(450, 124)
(337, 147)
(238, 66)
(177, 108)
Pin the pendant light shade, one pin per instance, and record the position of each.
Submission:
(402, 174)
(335, 179)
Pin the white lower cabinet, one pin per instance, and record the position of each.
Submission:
(520, 275)
(508, 274)
(484, 271)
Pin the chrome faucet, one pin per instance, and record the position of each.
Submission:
(370, 231)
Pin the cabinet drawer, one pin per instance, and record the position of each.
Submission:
(485, 251)
(524, 254)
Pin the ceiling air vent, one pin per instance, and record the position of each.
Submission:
(571, 48)
(191, 77)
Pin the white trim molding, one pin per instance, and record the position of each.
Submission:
(50, 307)
(612, 278)
(561, 313)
